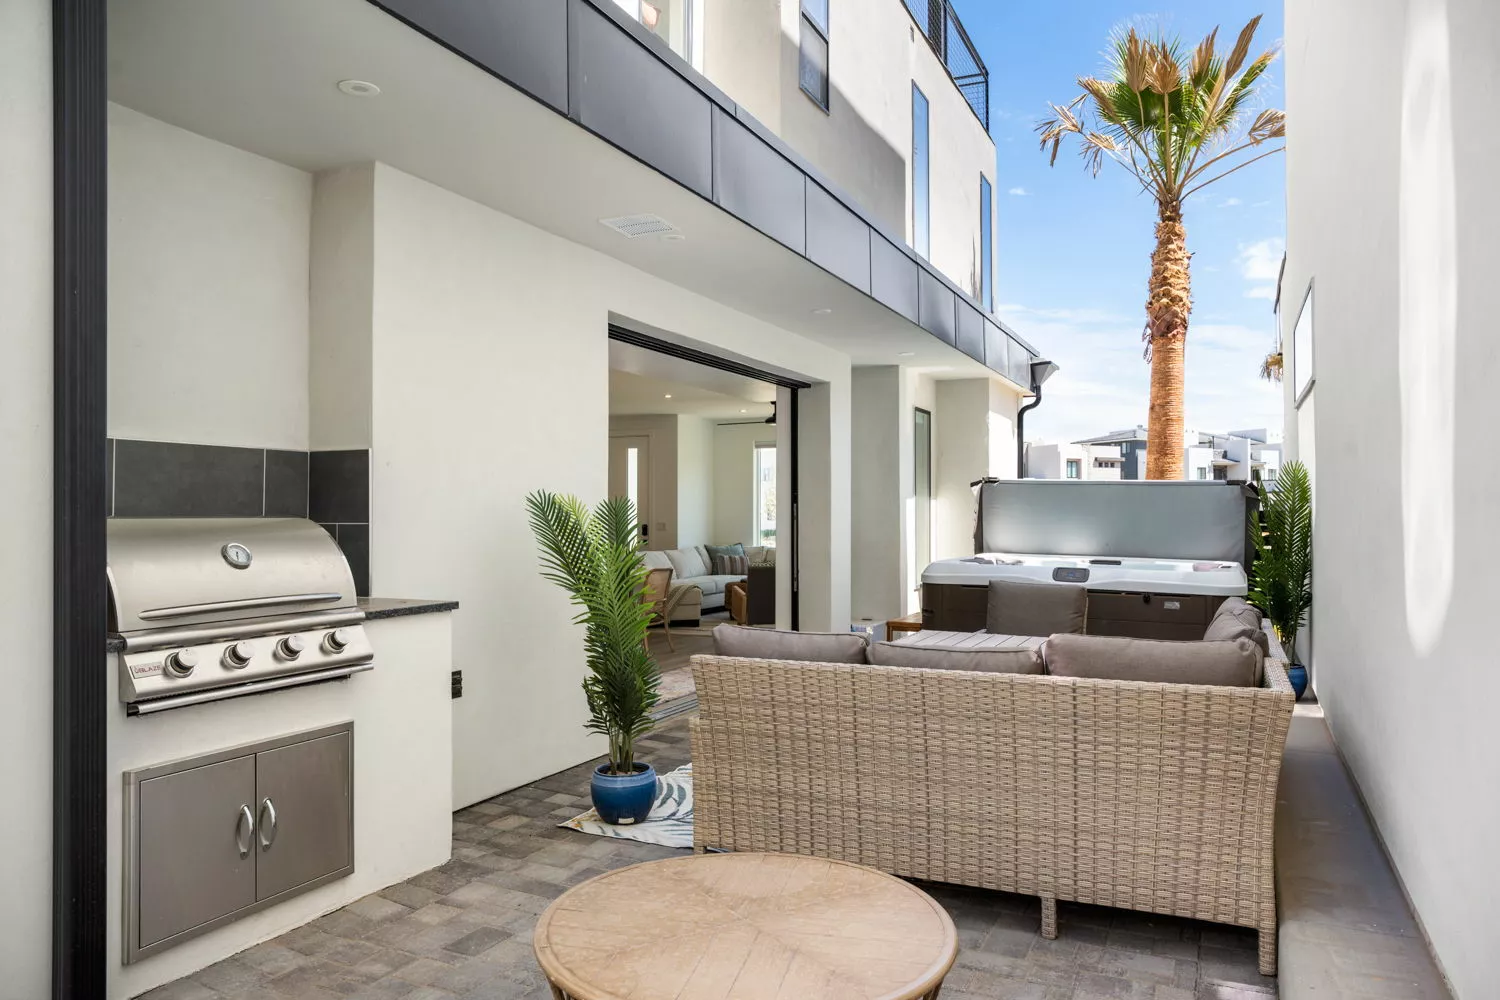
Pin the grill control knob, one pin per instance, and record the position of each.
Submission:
(338, 639)
(182, 662)
(291, 647)
(238, 655)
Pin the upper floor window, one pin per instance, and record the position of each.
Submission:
(986, 249)
(813, 67)
(921, 206)
(670, 20)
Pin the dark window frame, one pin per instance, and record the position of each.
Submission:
(810, 23)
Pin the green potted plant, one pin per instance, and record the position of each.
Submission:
(1281, 576)
(596, 557)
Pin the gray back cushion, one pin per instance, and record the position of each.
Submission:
(689, 562)
(771, 644)
(1237, 619)
(1017, 608)
(989, 661)
(1233, 663)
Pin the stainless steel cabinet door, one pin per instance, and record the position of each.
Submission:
(196, 847)
(304, 797)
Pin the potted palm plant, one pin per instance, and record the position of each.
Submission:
(596, 557)
(1281, 577)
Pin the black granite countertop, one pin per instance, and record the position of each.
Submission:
(395, 607)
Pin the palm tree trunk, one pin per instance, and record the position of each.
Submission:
(1167, 318)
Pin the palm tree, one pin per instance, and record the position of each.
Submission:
(1177, 125)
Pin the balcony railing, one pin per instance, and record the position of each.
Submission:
(945, 33)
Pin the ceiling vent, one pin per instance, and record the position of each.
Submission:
(633, 226)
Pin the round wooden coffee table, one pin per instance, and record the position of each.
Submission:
(767, 926)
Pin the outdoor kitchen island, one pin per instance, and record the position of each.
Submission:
(393, 726)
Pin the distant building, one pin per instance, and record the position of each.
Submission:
(1246, 455)
(1131, 444)
(1073, 461)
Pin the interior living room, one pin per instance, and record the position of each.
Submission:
(701, 451)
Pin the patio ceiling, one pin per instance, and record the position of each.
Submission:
(263, 77)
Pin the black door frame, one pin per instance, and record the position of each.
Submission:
(709, 360)
(79, 723)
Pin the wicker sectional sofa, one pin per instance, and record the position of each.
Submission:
(1145, 796)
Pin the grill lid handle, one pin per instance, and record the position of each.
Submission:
(185, 610)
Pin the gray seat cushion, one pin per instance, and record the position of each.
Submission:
(1017, 608)
(772, 644)
(1232, 663)
(1237, 619)
(989, 661)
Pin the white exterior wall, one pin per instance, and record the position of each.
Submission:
(208, 289)
(462, 292)
(863, 143)
(975, 437)
(1391, 214)
(879, 420)
(26, 500)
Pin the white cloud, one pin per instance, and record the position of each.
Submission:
(1019, 192)
(1230, 203)
(1104, 383)
(1260, 265)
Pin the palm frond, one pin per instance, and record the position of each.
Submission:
(1281, 576)
(1166, 110)
(596, 557)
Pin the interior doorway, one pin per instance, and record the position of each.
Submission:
(629, 460)
(706, 447)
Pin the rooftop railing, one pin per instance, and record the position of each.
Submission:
(945, 33)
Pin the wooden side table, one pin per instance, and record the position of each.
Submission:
(908, 623)
(777, 926)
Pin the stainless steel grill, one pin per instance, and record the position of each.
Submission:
(212, 608)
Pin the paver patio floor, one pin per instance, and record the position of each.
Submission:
(464, 930)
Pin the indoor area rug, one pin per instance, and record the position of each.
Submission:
(670, 823)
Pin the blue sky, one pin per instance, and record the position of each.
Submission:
(1073, 251)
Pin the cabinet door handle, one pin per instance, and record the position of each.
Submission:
(267, 823)
(244, 831)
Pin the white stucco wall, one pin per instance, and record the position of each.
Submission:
(863, 143)
(1390, 211)
(26, 500)
(208, 289)
(975, 438)
(878, 551)
(342, 300)
(480, 321)
(734, 478)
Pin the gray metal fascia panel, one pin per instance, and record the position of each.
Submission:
(757, 184)
(523, 42)
(893, 277)
(838, 240)
(624, 93)
(970, 331)
(935, 309)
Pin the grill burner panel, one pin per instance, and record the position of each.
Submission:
(213, 608)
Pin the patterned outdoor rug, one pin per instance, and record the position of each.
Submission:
(670, 823)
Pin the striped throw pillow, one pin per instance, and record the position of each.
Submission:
(731, 565)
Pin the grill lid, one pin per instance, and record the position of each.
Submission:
(171, 572)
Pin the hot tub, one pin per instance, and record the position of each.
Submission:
(1132, 596)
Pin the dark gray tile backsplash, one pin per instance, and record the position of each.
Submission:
(286, 483)
(168, 479)
(164, 479)
(339, 487)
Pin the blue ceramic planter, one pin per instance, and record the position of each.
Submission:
(623, 798)
(1297, 674)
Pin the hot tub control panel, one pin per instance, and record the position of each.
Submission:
(1070, 574)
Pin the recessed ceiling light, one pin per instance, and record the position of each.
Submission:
(359, 88)
(905, 354)
(667, 396)
(821, 312)
(744, 411)
(674, 237)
